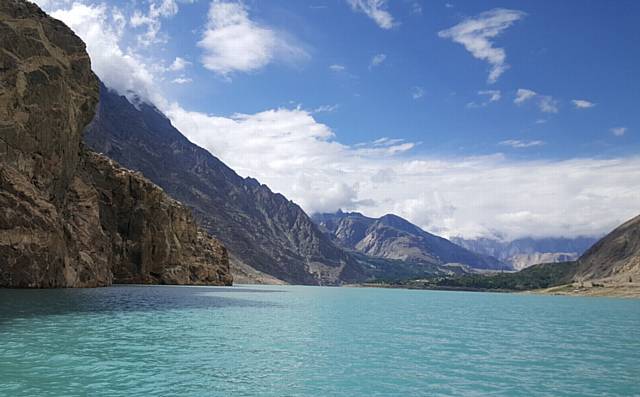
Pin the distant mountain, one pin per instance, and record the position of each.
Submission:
(612, 262)
(393, 237)
(266, 234)
(615, 257)
(525, 252)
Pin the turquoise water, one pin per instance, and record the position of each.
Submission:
(314, 341)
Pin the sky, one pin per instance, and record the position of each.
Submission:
(497, 119)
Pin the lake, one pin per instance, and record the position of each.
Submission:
(314, 341)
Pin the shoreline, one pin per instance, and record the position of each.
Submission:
(631, 291)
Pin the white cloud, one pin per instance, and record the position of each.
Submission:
(417, 92)
(179, 64)
(476, 35)
(182, 80)
(302, 158)
(152, 19)
(101, 29)
(326, 108)
(523, 95)
(618, 131)
(472, 196)
(545, 103)
(519, 144)
(374, 9)
(232, 42)
(582, 104)
(416, 8)
(494, 95)
(377, 60)
(491, 96)
(337, 68)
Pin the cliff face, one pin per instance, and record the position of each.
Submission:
(70, 217)
(392, 237)
(265, 232)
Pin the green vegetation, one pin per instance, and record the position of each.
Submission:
(535, 277)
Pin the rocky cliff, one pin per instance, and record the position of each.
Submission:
(70, 217)
(392, 237)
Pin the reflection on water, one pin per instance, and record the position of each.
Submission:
(120, 298)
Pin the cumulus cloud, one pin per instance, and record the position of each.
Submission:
(377, 60)
(582, 104)
(619, 131)
(471, 196)
(232, 42)
(476, 35)
(545, 103)
(519, 144)
(337, 68)
(376, 10)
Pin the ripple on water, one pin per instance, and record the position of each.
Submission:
(310, 341)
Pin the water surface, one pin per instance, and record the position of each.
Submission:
(314, 341)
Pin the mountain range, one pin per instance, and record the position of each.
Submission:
(524, 252)
(96, 188)
(270, 238)
(392, 237)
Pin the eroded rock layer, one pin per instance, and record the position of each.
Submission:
(70, 217)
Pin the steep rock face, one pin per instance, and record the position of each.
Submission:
(393, 237)
(69, 217)
(616, 256)
(266, 234)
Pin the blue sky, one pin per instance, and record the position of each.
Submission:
(493, 118)
(589, 53)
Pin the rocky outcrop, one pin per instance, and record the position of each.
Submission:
(70, 217)
(392, 237)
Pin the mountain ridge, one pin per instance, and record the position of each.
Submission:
(393, 237)
(263, 230)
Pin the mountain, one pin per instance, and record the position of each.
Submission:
(393, 237)
(610, 267)
(70, 217)
(616, 257)
(525, 252)
(266, 234)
